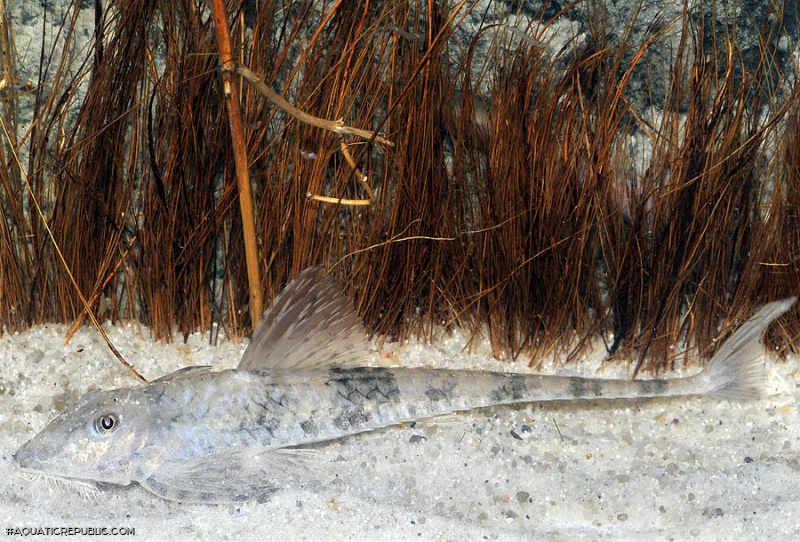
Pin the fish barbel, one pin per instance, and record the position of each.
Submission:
(229, 436)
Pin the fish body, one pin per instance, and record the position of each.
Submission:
(201, 436)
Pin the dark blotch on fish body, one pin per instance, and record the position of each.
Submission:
(435, 394)
(513, 389)
(310, 427)
(442, 392)
(653, 387)
(366, 384)
(583, 388)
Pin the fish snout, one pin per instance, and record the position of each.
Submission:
(32, 455)
(23, 457)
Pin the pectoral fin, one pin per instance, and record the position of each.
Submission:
(229, 477)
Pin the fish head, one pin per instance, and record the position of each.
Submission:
(103, 438)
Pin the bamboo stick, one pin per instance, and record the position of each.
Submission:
(231, 91)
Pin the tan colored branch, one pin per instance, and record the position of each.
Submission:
(336, 126)
(360, 179)
(338, 201)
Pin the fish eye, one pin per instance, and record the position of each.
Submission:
(105, 424)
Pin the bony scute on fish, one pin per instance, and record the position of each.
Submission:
(196, 435)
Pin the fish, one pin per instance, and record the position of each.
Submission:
(305, 379)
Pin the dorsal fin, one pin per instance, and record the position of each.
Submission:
(310, 326)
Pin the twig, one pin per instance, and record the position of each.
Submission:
(338, 201)
(558, 429)
(98, 291)
(360, 178)
(336, 126)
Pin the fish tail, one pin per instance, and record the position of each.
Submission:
(736, 372)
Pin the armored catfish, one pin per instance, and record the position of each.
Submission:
(196, 435)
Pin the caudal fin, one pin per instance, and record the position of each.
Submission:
(736, 372)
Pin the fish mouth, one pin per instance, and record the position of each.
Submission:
(33, 471)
